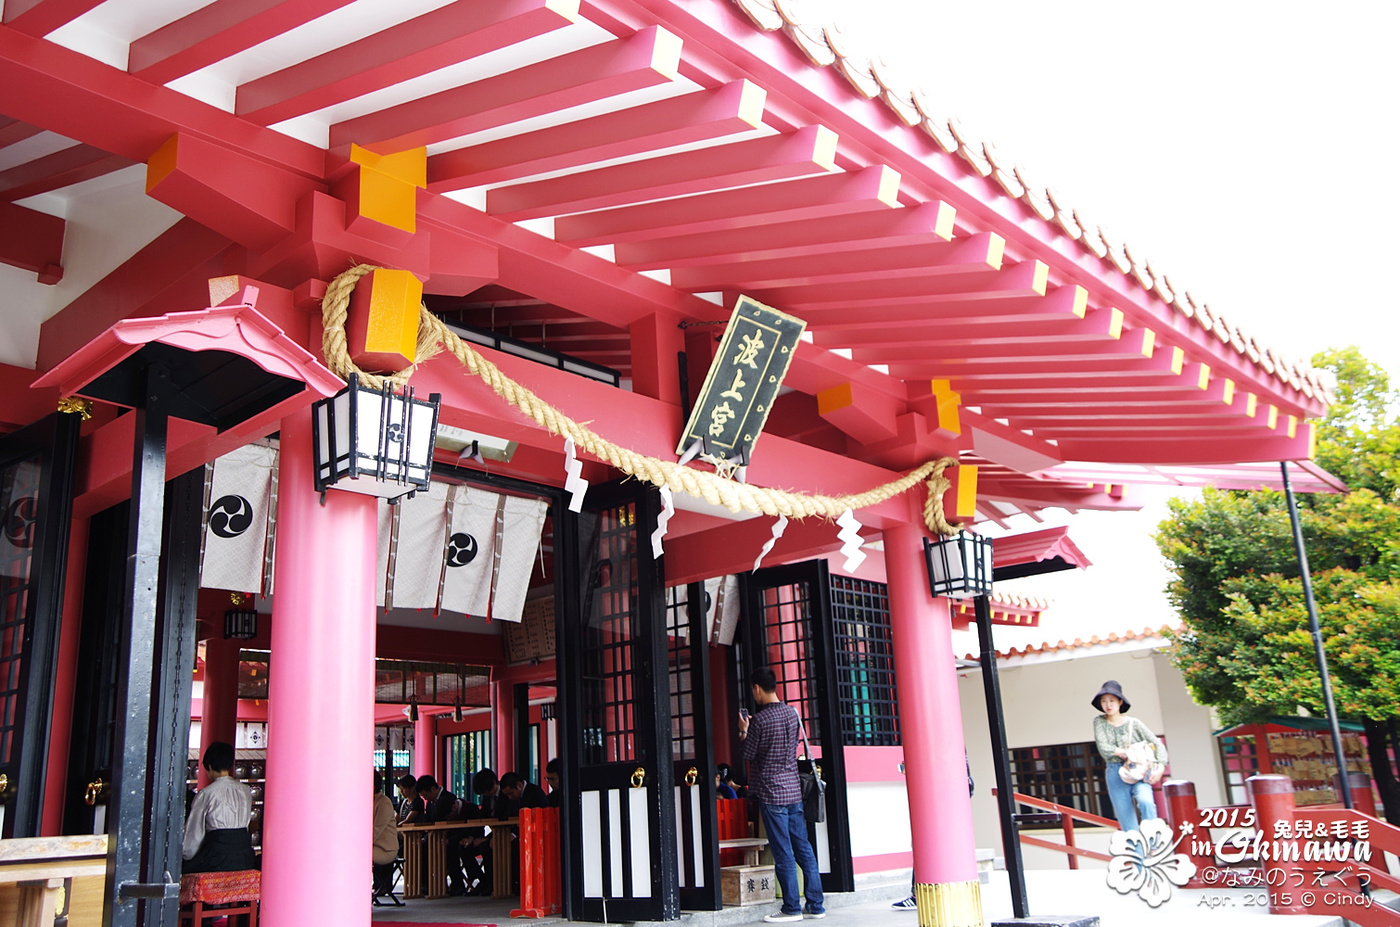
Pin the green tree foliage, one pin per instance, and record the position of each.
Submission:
(1245, 647)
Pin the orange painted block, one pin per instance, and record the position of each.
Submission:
(381, 192)
(948, 401)
(960, 499)
(382, 324)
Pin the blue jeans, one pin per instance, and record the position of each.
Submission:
(1125, 797)
(787, 838)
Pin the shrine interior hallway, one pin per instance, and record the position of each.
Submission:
(1051, 893)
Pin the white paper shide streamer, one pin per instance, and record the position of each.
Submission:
(779, 527)
(668, 508)
(851, 540)
(574, 483)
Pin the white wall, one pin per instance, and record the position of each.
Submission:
(1048, 703)
(879, 816)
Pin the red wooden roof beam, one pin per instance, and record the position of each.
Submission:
(980, 252)
(692, 117)
(810, 150)
(646, 59)
(217, 31)
(443, 37)
(779, 235)
(873, 189)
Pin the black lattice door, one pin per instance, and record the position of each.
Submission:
(692, 748)
(36, 485)
(623, 856)
(787, 624)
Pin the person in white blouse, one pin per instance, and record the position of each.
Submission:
(216, 831)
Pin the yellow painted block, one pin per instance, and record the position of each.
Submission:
(824, 152)
(947, 218)
(1115, 325)
(387, 185)
(1273, 417)
(1228, 395)
(382, 328)
(1203, 380)
(837, 397)
(162, 163)
(967, 491)
(1251, 405)
(889, 186)
(751, 102)
(1081, 301)
(1042, 279)
(410, 167)
(948, 401)
(1312, 440)
(996, 251)
(1149, 338)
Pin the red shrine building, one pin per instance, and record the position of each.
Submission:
(579, 194)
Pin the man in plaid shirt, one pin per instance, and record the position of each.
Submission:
(770, 747)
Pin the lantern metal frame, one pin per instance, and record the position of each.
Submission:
(240, 624)
(376, 442)
(960, 566)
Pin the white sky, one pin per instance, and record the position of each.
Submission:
(1247, 148)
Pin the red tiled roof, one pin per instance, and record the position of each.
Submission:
(1078, 643)
(826, 46)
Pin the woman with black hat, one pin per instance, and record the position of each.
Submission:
(1114, 735)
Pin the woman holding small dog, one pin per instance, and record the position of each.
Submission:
(1132, 770)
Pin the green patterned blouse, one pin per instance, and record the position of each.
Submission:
(1109, 737)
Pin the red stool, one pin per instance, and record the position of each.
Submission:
(236, 893)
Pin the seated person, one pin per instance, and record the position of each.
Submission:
(521, 793)
(411, 807)
(216, 832)
(440, 804)
(724, 778)
(474, 843)
(488, 794)
(551, 776)
(386, 839)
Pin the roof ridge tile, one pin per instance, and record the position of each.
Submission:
(872, 77)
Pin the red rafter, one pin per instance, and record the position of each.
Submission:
(40, 17)
(693, 117)
(874, 189)
(869, 230)
(443, 37)
(644, 60)
(58, 170)
(974, 253)
(218, 31)
(810, 150)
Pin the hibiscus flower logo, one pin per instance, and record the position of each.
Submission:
(1144, 861)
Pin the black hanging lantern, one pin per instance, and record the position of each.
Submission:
(959, 567)
(240, 624)
(376, 442)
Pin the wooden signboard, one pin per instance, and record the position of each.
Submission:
(743, 381)
(533, 637)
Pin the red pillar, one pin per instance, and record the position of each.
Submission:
(930, 723)
(320, 700)
(425, 746)
(219, 721)
(70, 629)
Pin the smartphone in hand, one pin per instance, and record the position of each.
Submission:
(744, 713)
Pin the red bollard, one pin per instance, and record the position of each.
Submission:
(1181, 808)
(1272, 799)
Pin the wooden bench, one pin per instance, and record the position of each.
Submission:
(208, 896)
(748, 845)
(42, 878)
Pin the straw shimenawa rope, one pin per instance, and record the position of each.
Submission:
(433, 335)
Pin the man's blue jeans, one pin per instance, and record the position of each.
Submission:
(1125, 797)
(787, 838)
